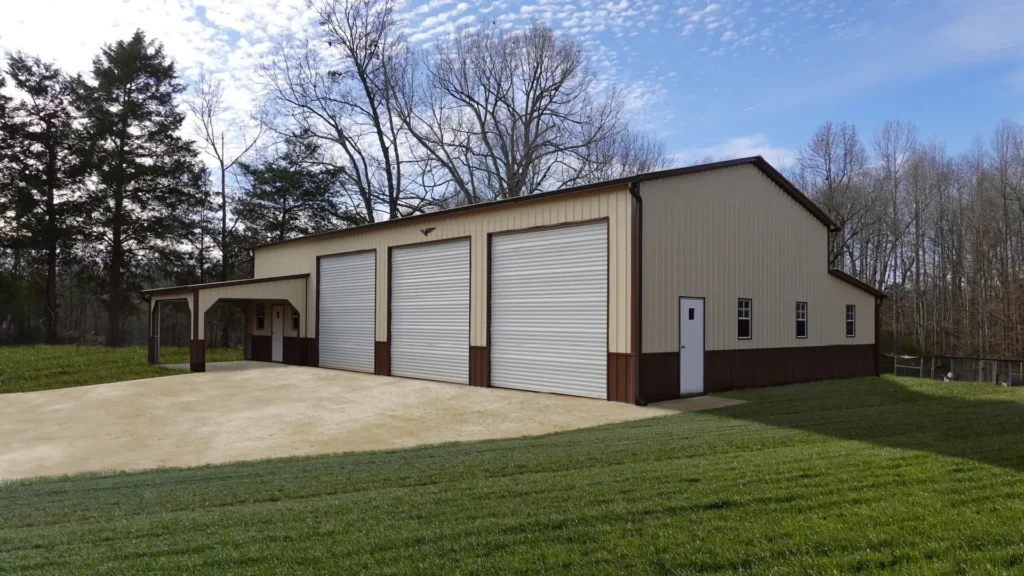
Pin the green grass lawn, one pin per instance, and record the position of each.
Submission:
(32, 368)
(856, 476)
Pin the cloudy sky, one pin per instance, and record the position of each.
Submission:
(719, 78)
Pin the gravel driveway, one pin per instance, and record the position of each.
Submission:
(246, 411)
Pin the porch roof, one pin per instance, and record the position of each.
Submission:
(211, 285)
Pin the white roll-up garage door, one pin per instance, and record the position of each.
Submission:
(430, 311)
(347, 302)
(549, 310)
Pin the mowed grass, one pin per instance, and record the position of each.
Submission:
(33, 368)
(859, 476)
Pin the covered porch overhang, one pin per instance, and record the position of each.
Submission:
(276, 314)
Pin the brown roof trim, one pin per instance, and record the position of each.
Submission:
(759, 162)
(158, 291)
(857, 283)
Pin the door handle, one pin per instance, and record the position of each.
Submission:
(682, 347)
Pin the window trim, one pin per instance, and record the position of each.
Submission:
(806, 321)
(851, 322)
(261, 315)
(295, 320)
(749, 318)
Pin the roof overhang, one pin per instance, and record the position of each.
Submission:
(757, 161)
(857, 283)
(210, 285)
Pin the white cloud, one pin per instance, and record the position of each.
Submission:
(738, 147)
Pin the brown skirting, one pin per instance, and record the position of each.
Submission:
(312, 351)
(659, 376)
(621, 378)
(479, 366)
(734, 369)
(261, 348)
(197, 355)
(382, 358)
(756, 368)
(154, 356)
(296, 351)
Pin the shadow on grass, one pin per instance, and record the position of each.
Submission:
(980, 422)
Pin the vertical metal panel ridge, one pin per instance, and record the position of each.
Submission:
(733, 233)
(611, 203)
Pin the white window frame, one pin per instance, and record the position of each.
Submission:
(851, 321)
(261, 315)
(800, 319)
(295, 320)
(749, 310)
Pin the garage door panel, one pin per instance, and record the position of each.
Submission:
(430, 311)
(549, 310)
(346, 317)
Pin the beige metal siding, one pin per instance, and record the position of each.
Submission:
(267, 304)
(613, 204)
(840, 294)
(293, 291)
(165, 296)
(732, 233)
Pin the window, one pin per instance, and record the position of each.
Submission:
(295, 320)
(744, 329)
(801, 319)
(260, 322)
(851, 320)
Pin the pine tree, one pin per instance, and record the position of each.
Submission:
(147, 177)
(47, 165)
(9, 283)
(292, 194)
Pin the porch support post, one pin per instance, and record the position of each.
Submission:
(154, 333)
(197, 348)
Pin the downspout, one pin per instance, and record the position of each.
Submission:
(638, 239)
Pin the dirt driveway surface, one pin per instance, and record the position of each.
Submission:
(246, 411)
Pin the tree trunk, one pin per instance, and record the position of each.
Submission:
(51, 247)
(116, 262)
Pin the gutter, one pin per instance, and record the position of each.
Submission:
(638, 239)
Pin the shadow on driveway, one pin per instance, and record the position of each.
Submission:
(980, 422)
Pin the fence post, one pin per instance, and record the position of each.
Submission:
(995, 372)
(980, 368)
(933, 367)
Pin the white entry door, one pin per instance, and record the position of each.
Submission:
(691, 346)
(277, 334)
(430, 311)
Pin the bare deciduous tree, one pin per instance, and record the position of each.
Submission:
(500, 113)
(833, 166)
(625, 153)
(227, 143)
(338, 89)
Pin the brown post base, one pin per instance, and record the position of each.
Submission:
(382, 358)
(197, 355)
(479, 366)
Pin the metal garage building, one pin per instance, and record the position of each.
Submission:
(642, 289)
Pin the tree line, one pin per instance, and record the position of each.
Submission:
(941, 233)
(128, 176)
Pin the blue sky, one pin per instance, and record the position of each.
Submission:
(720, 78)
